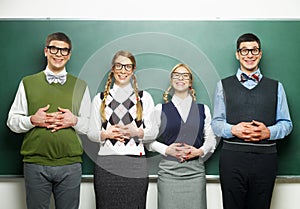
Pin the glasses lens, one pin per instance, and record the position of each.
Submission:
(64, 51)
(255, 51)
(128, 67)
(53, 49)
(244, 51)
(118, 66)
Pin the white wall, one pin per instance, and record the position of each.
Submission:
(154, 9)
(285, 196)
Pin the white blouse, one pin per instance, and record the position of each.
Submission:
(183, 106)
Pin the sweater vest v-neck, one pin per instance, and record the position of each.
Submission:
(174, 129)
(40, 145)
(245, 105)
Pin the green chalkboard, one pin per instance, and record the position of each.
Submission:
(207, 46)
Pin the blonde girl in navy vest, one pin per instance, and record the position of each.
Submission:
(186, 138)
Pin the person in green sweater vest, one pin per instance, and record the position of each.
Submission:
(52, 108)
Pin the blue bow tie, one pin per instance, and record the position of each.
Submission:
(245, 77)
(51, 78)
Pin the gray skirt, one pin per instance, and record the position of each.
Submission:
(181, 185)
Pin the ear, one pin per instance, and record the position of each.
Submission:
(237, 55)
(45, 51)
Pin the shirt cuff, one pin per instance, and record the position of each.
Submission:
(27, 123)
(227, 131)
(158, 147)
(272, 133)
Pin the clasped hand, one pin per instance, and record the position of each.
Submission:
(251, 131)
(183, 152)
(123, 132)
(55, 121)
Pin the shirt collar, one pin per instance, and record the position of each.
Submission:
(63, 72)
(177, 101)
(239, 72)
(121, 93)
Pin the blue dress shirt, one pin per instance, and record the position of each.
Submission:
(279, 130)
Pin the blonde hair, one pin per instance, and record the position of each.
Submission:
(139, 109)
(191, 89)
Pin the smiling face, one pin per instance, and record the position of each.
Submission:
(181, 81)
(122, 73)
(56, 62)
(249, 63)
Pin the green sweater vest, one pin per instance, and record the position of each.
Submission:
(40, 145)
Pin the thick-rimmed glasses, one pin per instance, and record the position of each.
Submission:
(245, 51)
(127, 67)
(54, 50)
(184, 76)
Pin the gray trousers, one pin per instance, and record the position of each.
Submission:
(62, 181)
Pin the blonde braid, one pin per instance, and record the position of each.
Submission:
(105, 94)
(139, 109)
(193, 93)
(166, 94)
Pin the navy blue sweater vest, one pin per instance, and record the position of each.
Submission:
(173, 129)
(245, 105)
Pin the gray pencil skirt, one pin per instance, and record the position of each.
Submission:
(181, 185)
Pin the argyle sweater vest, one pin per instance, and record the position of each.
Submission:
(174, 129)
(245, 105)
(40, 145)
(122, 113)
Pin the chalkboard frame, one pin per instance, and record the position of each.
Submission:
(23, 40)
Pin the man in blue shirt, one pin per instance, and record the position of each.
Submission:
(250, 114)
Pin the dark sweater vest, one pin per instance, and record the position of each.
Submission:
(40, 145)
(173, 128)
(245, 105)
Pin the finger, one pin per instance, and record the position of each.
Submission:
(63, 110)
(257, 123)
(51, 126)
(45, 108)
(53, 114)
(120, 139)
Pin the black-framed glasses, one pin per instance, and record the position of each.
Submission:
(245, 51)
(63, 51)
(127, 67)
(184, 76)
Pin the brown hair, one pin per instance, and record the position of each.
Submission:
(139, 109)
(59, 36)
(192, 91)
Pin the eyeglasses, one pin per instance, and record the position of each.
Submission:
(127, 67)
(245, 51)
(184, 76)
(63, 51)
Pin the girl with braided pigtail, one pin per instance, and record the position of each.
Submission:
(187, 140)
(120, 123)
